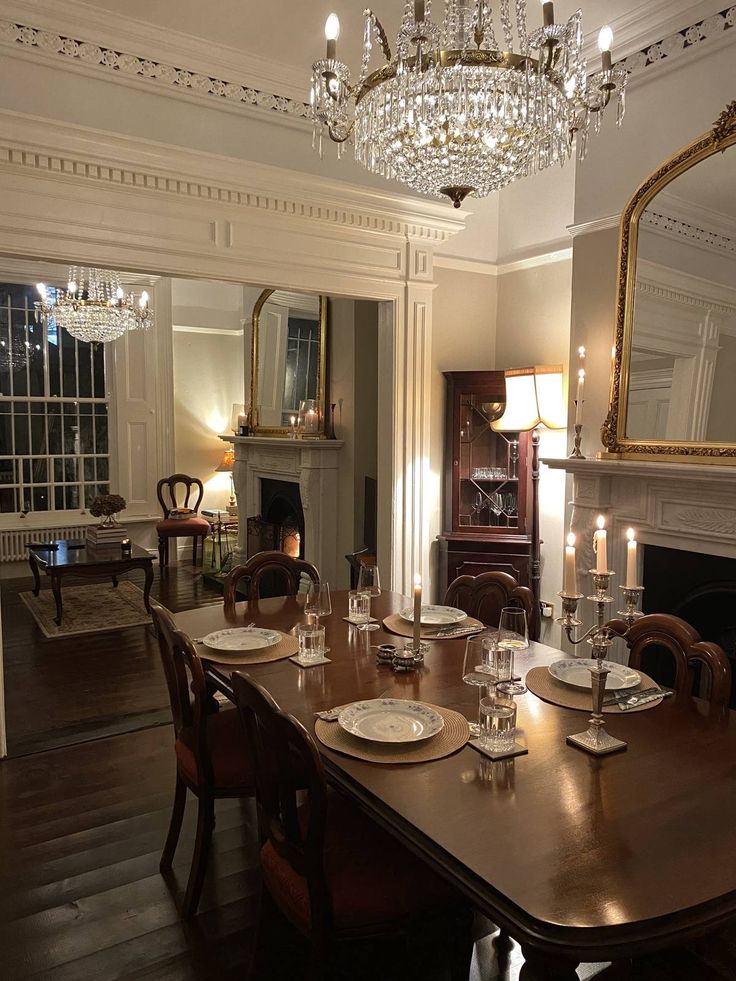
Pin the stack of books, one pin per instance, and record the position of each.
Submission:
(114, 535)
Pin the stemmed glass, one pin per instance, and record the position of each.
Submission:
(513, 636)
(369, 581)
(318, 601)
(477, 670)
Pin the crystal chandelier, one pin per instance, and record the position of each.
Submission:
(95, 308)
(469, 105)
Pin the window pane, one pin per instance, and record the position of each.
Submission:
(101, 428)
(89, 468)
(39, 471)
(41, 499)
(54, 438)
(99, 371)
(86, 435)
(7, 501)
(6, 433)
(71, 472)
(18, 352)
(69, 370)
(38, 429)
(7, 472)
(21, 431)
(52, 348)
(35, 358)
(4, 351)
(59, 498)
(103, 468)
(71, 498)
(58, 470)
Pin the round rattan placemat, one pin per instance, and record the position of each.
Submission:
(549, 689)
(454, 735)
(396, 625)
(286, 647)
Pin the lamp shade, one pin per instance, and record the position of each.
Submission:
(226, 464)
(533, 398)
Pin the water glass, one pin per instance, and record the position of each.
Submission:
(502, 663)
(477, 668)
(359, 606)
(369, 580)
(311, 639)
(513, 636)
(497, 723)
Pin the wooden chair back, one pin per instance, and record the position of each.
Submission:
(167, 491)
(187, 687)
(288, 569)
(291, 791)
(658, 632)
(484, 596)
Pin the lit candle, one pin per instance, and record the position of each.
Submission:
(332, 33)
(631, 570)
(605, 42)
(548, 12)
(579, 398)
(311, 421)
(581, 356)
(600, 545)
(417, 612)
(571, 577)
(419, 10)
(293, 425)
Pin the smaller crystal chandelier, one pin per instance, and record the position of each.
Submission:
(467, 103)
(95, 308)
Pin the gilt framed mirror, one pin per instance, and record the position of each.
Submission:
(675, 343)
(288, 359)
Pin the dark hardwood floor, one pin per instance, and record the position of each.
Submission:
(63, 691)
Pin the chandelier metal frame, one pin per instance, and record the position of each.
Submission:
(454, 101)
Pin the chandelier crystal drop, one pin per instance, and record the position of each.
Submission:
(468, 105)
(94, 307)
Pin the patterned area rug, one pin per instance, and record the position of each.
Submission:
(93, 609)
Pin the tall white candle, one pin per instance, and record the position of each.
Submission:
(631, 564)
(600, 544)
(581, 356)
(571, 577)
(417, 611)
(579, 400)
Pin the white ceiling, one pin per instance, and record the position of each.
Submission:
(292, 31)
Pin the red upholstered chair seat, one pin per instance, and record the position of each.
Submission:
(173, 527)
(226, 741)
(372, 878)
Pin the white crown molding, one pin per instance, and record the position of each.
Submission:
(476, 266)
(695, 235)
(75, 153)
(684, 288)
(597, 225)
(211, 331)
(113, 29)
(480, 268)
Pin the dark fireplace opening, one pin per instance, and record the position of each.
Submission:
(279, 527)
(698, 588)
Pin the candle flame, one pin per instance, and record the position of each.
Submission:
(631, 534)
(571, 540)
(417, 580)
(613, 352)
(581, 374)
(581, 351)
(601, 522)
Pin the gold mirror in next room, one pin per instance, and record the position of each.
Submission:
(289, 359)
(675, 344)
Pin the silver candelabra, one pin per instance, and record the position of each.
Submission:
(596, 739)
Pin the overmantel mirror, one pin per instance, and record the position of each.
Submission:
(289, 361)
(672, 392)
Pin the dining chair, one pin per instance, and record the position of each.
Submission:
(485, 595)
(655, 633)
(286, 568)
(331, 871)
(192, 526)
(212, 757)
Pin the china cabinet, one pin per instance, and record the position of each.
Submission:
(487, 488)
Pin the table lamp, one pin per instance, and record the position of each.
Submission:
(533, 399)
(226, 466)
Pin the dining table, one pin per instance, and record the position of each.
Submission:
(579, 858)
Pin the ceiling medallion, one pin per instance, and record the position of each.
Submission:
(457, 111)
(94, 308)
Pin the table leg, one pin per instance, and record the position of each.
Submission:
(36, 576)
(56, 590)
(540, 966)
(147, 586)
(114, 582)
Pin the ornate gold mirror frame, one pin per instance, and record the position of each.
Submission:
(613, 432)
(286, 431)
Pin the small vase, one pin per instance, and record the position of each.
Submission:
(109, 521)
(330, 422)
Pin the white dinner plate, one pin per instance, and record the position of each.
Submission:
(241, 639)
(576, 671)
(390, 720)
(435, 616)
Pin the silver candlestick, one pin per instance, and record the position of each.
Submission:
(595, 739)
(577, 453)
(632, 597)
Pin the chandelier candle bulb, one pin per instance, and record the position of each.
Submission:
(631, 564)
(548, 12)
(571, 577)
(605, 43)
(579, 398)
(600, 545)
(332, 33)
(417, 612)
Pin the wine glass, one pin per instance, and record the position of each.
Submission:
(318, 601)
(369, 580)
(477, 670)
(513, 636)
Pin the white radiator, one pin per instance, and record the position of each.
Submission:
(13, 543)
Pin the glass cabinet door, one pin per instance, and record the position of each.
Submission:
(488, 467)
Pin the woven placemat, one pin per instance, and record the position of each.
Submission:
(396, 625)
(549, 689)
(454, 735)
(286, 647)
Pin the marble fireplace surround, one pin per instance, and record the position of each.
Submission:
(313, 465)
(673, 505)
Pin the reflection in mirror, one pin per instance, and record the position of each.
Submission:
(683, 340)
(288, 332)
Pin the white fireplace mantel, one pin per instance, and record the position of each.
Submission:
(311, 463)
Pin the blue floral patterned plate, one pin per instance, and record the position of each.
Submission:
(390, 720)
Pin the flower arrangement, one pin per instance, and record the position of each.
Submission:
(107, 506)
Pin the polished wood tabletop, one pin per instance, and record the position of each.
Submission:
(581, 857)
